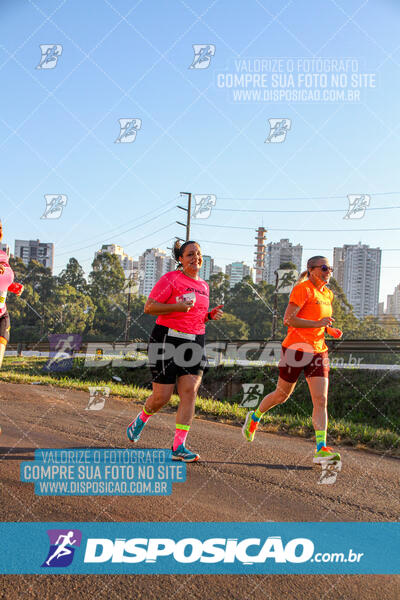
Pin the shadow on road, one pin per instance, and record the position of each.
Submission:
(266, 466)
(15, 453)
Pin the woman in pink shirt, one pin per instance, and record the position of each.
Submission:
(6, 285)
(176, 353)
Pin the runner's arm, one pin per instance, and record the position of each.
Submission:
(215, 314)
(16, 288)
(291, 319)
(159, 308)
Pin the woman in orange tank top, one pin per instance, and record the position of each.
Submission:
(308, 316)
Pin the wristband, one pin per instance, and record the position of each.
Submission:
(209, 317)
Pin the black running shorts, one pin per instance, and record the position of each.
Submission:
(5, 326)
(173, 354)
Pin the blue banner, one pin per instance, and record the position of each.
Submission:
(102, 472)
(200, 548)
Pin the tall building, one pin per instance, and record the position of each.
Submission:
(393, 303)
(5, 248)
(29, 250)
(278, 253)
(207, 267)
(338, 265)
(357, 269)
(216, 269)
(259, 258)
(127, 262)
(237, 271)
(153, 263)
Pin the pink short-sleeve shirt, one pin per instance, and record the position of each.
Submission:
(174, 287)
(6, 280)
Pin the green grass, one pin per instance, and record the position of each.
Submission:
(291, 418)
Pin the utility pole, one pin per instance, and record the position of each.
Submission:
(128, 313)
(188, 210)
(275, 313)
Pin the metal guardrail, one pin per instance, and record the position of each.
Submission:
(337, 346)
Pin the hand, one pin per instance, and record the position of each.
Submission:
(325, 322)
(216, 313)
(2, 269)
(21, 290)
(184, 306)
(334, 332)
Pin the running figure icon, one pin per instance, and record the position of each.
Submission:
(62, 549)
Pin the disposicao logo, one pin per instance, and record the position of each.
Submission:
(191, 550)
(63, 543)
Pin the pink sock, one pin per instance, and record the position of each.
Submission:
(180, 436)
(145, 415)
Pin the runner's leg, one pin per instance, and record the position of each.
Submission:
(3, 344)
(319, 394)
(278, 396)
(161, 395)
(188, 386)
(318, 387)
(281, 393)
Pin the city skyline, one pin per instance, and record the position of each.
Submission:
(278, 252)
(81, 182)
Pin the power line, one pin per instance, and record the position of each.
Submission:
(303, 197)
(137, 240)
(307, 249)
(122, 233)
(149, 234)
(323, 210)
(299, 230)
(130, 221)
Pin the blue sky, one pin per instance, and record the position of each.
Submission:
(131, 59)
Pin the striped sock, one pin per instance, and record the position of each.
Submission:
(257, 414)
(180, 435)
(320, 438)
(145, 415)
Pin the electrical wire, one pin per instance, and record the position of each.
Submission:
(300, 230)
(324, 210)
(303, 197)
(122, 233)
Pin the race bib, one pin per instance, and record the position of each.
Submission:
(3, 296)
(181, 334)
(186, 297)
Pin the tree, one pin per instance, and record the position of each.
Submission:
(106, 285)
(343, 314)
(28, 312)
(69, 311)
(227, 328)
(41, 279)
(141, 325)
(73, 275)
(219, 289)
(288, 265)
(252, 304)
(107, 277)
(26, 320)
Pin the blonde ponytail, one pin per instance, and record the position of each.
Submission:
(302, 277)
(310, 263)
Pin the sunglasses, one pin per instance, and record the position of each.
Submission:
(323, 268)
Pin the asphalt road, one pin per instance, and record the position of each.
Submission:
(272, 479)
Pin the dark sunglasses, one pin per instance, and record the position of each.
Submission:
(323, 268)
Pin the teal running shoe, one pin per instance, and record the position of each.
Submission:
(182, 453)
(326, 454)
(250, 427)
(135, 429)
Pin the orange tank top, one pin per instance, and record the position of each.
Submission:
(315, 304)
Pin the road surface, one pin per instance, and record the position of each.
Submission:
(272, 479)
